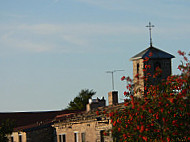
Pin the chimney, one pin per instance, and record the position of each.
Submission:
(113, 97)
(95, 103)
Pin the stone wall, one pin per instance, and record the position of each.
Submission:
(90, 129)
(139, 65)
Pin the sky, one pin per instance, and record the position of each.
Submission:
(52, 49)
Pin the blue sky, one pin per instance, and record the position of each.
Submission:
(51, 49)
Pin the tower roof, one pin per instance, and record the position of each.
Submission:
(156, 54)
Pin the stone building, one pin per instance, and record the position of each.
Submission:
(33, 126)
(151, 58)
(87, 126)
(65, 125)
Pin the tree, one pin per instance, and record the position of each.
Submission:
(161, 115)
(80, 101)
(6, 128)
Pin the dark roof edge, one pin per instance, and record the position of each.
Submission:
(143, 54)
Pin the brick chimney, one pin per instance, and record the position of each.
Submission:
(113, 97)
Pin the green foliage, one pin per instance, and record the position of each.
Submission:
(79, 102)
(6, 128)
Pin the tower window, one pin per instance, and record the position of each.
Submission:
(137, 68)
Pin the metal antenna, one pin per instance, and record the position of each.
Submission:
(150, 28)
(112, 76)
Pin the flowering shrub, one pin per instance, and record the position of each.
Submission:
(162, 114)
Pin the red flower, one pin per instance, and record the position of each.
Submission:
(162, 110)
(150, 54)
(184, 91)
(138, 127)
(150, 111)
(105, 134)
(137, 76)
(126, 93)
(119, 129)
(146, 59)
(171, 100)
(181, 53)
(142, 116)
(164, 119)
(142, 128)
(97, 112)
(129, 85)
(145, 138)
(122, 78)
(145, 88)
(185, 58)
(174, 122)
(114, 123)
(157, 116)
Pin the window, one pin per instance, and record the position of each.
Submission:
(102, 136)
(20, 137)
(62, 138)
(83, 137)
(76, 136)
(12, 139)
(138, 68)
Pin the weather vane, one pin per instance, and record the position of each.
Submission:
(112, 76)
(150, 28)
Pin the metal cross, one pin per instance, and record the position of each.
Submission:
(112, 76)
(150, 28)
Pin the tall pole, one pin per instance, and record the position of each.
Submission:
(112, 81)
(113, 76)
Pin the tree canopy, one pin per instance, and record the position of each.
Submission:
(80, 101)
(6, 128)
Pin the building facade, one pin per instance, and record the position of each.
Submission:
(88, 126)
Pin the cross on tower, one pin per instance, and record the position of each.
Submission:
(150, 28)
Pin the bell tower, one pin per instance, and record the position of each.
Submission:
(147, 63)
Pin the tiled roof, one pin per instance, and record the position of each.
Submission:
(26, 120)
(156, 54)
(90, 115)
